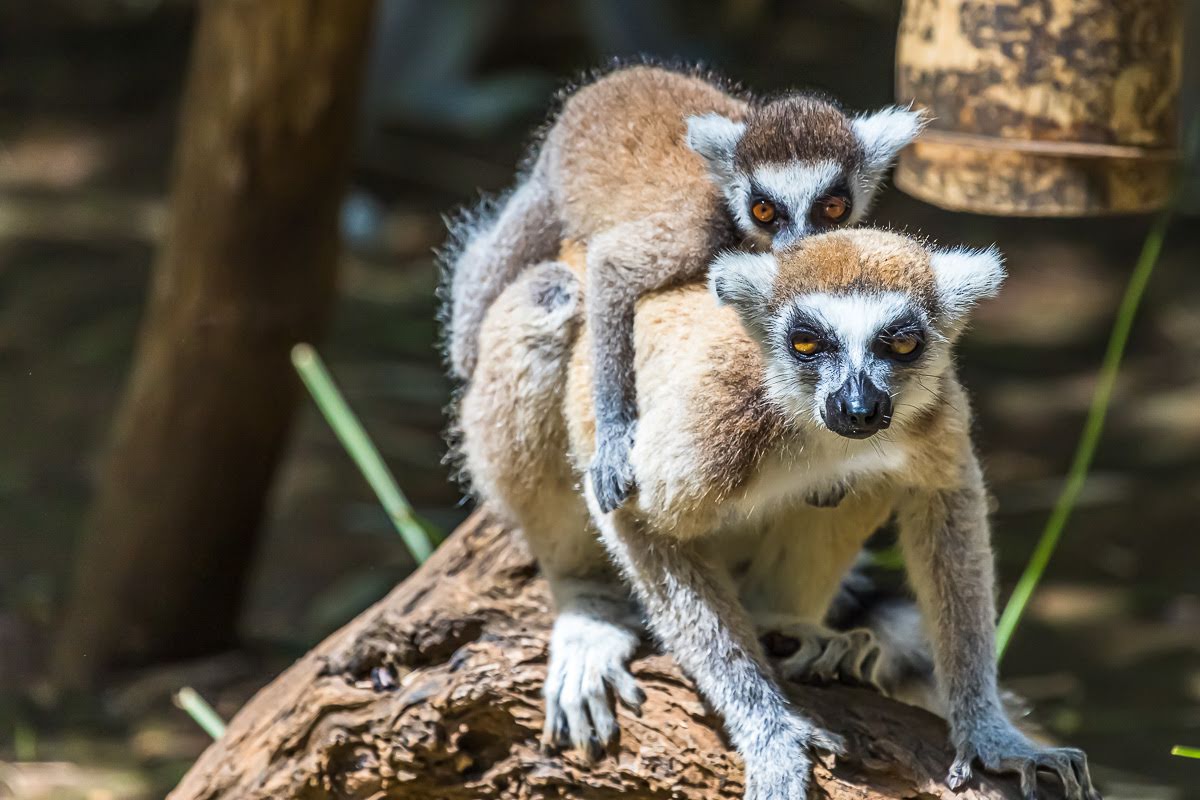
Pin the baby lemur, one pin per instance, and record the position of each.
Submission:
(827, 362)
(654, 171)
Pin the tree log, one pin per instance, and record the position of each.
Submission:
(434, 693)
(246, 271)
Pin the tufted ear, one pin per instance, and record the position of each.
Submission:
(745, 282)
(964, 276)
(714, 138)
(885, 133)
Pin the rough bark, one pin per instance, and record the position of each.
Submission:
(247, 270)
(434, 693)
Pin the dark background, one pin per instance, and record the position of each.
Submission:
(1109, 652)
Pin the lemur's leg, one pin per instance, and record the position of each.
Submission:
(793, 591)
(692, 608)
(948, 555)
(596, 629)
(624, 263)
(513, 441)
(491, 253)
(594, 638)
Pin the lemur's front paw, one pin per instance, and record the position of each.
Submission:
(1002, 748)
(782, 768)
(612, 470)
(811, 653)
(588, 666)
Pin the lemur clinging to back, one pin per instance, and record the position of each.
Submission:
(654, 171)
(830, 361)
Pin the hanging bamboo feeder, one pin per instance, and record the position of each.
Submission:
(1042, 107)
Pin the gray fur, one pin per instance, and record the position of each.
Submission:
(492, 249)
(694, 611)
(620, 269)
(946, 543)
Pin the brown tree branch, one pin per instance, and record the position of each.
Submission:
(434, 693)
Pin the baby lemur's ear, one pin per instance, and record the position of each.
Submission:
(715, 137)
(885, 133)
(745, 281)
(964, 276)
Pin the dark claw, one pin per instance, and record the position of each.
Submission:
(595, 749)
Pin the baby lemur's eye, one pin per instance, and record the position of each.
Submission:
(831, 209)
(763, 211)
(805, 343)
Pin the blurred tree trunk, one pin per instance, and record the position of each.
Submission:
(435, 693)
(247, 269)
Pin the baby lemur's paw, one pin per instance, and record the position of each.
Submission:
(611, 470)
(811, 653)
(588, 667)
(1000, 747)
(781, 767)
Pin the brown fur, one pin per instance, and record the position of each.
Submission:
(861, 259)
(798, 127)
(618, 152)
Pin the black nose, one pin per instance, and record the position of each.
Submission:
(858, 408)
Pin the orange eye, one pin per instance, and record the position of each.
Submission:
(805, 343)
(833, 209)
(903, 347)
(763, 211)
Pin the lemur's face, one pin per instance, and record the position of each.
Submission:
(799, 165)
(856, 327)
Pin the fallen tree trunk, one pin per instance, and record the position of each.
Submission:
(434, 693)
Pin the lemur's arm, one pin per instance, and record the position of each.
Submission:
(694, 611)
(624, 263)
(948, 554)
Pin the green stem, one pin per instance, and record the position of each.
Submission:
(1094, 426)
(1186, 752)
(1090, 439)
(200, 711)
(354, 438)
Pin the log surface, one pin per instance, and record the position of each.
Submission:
(434, 693)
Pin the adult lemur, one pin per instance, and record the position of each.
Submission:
(654, 171)
(825, 363)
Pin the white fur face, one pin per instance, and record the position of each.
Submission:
(776, 203)
(858, 359)
(853, 335)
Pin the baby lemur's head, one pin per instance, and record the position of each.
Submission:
(856, 326)
(799, 165)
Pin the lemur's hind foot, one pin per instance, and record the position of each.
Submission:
(810, 653)
(589, 660)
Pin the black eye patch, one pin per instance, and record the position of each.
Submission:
(902, 341)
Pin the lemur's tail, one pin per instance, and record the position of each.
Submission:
(488, 247)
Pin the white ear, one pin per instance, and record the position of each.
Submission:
(714, 137)
(964, 276)
(746, 282)
(885, 133)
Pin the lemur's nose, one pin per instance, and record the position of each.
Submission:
(861, 414)
(858, 408)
